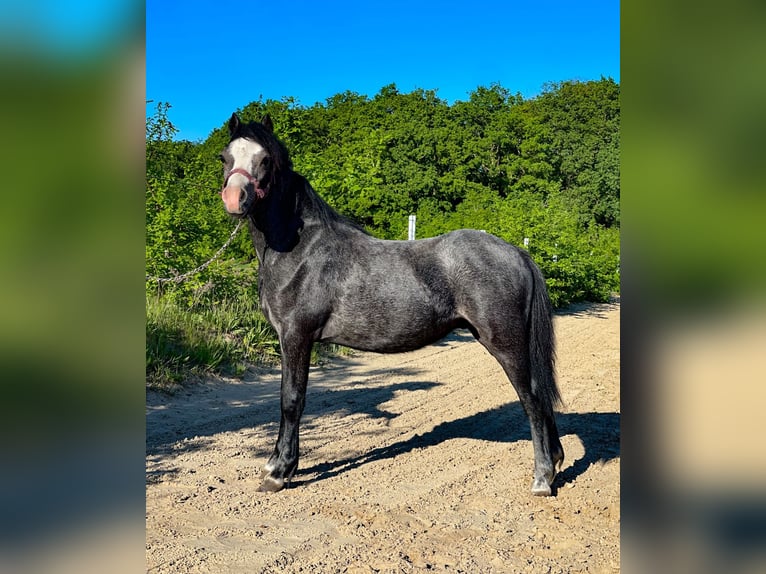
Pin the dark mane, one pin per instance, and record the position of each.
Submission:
(327, 216)
(309, 201)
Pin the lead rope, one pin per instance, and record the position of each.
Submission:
(196, 270)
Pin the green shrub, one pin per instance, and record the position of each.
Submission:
(546, 169)
(223, 339)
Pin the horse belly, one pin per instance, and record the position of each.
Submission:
(388, 328)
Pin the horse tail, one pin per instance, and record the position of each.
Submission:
(542, 354)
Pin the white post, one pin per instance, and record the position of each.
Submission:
(411, 230)
(526, 242)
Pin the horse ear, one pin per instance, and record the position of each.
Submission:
(233, 123)
(266, 121)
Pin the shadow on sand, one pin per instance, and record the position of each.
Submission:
(598, 432)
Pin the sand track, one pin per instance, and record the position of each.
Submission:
(414, 462)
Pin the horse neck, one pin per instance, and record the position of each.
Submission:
(287, 215)
(273, 223)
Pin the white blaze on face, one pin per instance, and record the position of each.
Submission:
(243, 151)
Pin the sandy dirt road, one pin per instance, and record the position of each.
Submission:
(419, 462)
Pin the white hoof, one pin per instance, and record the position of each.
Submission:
(540, 487)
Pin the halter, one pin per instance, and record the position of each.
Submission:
(261, 193)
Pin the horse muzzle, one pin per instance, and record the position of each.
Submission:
(236, 196)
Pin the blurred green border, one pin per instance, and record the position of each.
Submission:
(694, 134)
(72, 294)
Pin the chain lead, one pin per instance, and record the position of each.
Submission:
(196, 270)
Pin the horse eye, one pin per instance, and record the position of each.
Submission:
(223, 159)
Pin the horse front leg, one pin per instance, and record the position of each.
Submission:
(295, 371)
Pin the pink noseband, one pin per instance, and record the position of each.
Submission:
(261, 193)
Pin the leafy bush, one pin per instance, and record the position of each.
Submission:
(546, 169)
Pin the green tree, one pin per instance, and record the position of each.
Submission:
(546, 168)
(584, 120)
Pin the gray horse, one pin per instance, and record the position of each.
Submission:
(322, 278)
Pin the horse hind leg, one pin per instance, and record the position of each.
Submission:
(548, 452)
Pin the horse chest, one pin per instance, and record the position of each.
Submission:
(266, 308)
(266, 295)
(278, 302)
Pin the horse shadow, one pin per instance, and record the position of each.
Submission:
(598, 432)
(257, 406)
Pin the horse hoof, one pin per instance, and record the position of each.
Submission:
(271, 484)
(540, 487)
(267, 469)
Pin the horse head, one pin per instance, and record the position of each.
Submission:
(253, 162)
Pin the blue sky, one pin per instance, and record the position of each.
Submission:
(208, 59)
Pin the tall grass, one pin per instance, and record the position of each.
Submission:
(182, 342)
(225, 339)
